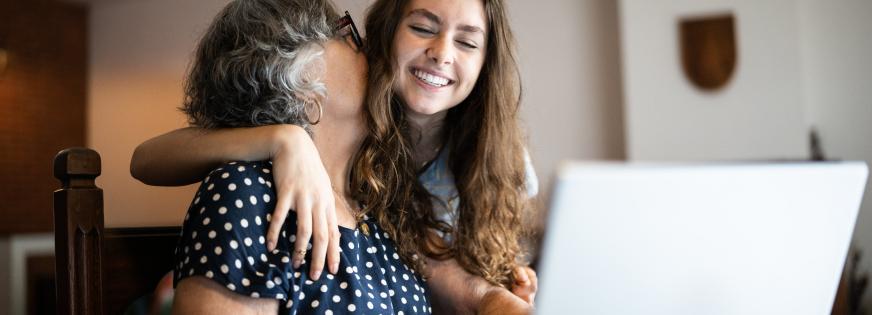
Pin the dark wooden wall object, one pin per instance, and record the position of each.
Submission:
(99, 270)
(708, 50)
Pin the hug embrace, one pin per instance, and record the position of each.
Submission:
(342, 174)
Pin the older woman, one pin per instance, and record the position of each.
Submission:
(267, 62)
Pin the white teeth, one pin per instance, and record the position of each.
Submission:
(431, 79)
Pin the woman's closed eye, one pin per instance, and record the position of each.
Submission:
(422, 30)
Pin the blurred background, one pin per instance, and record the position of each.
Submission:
(603, 80)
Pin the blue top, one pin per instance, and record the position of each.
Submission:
(438, 179)
(223, 239)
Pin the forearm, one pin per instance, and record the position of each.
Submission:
(184, 156)
(501, 301)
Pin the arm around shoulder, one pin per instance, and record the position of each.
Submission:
(184, 156)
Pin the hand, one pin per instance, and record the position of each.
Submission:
(526, 284)
(302, 184)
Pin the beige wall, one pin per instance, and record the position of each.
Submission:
(140, 49)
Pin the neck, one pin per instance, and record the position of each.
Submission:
(337, 140)
(426, 134)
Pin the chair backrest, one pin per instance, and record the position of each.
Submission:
(99, 270)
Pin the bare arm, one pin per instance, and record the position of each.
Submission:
(184, 156)
(456, 291)
(187, 155)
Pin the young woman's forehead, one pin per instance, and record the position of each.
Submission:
(466, 13)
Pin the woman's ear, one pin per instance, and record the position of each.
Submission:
(313, 108)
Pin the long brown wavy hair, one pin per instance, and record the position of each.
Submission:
(486, 148)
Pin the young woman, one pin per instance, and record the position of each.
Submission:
(444, 94)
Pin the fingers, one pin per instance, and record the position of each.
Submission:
(521, 275)
(283, 205)
(333, 244)
(320, 238)
(304, 232)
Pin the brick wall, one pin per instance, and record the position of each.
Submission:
(42, 105)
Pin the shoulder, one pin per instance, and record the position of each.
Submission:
(239, 178)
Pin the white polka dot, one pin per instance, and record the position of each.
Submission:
(336, 299)
(292, 238)
(302, 295)
(251, 260)
(290, 303)
(210, 187)
(368, 264)
(203, 209)
(268, 217)
(206, 221)
(261, 240)
(350, 245)
(234, 244)
(239, 203)
(198, 246)
(225, 175)
(263, 257)
(343, 285)
(323, 288)
(383, 295)
(368, 277)
(355, 269)
(285, 259)
(245, 282)
(247, 181)
(216, 196)
(255, 294)
(370, 293)
(243, 223)
(297, 275)
(194, 235)
(265, 198)
(257, 220)
(369, 305)
(241, 168)
(270, 284)
(247, 241)
(228, 226)
(197, 200)
(209, 274)
(231, 187)
(222, 210)
(212, 234)
(415, 297)
(269, 184)
(280, 296)
(349, 269)
(400, 313)
(218, 250)
(383, 306)
(315, 304)
(328, 312)
(383, 282)
(238, 264)
(225, 269)
(253, 200)
(231, 287)
(406, 277)
(308, 282)
(391, 292)
(357, 293)
(403, 300)
(266, 170)
(396, 256)
(351, 307)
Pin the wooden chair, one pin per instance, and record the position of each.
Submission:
(100, 270)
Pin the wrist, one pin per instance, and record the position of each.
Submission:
(284, 137)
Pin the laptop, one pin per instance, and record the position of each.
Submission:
(698, 239)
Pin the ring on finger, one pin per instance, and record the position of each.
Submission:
(301, 252)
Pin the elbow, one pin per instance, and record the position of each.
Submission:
(136, 167)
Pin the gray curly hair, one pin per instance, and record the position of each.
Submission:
(258, 63)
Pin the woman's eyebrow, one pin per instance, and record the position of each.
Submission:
(435, 19)
(426, 14)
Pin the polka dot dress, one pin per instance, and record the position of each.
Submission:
(223, 239)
